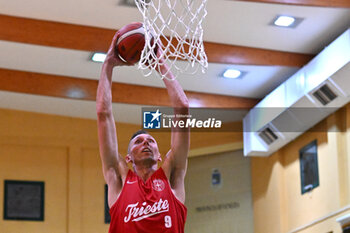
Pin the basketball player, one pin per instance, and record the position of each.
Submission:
(148, 199)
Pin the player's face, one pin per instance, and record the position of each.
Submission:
(143, 147)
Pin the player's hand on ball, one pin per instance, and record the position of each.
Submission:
(112, 57)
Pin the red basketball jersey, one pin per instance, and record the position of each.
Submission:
(149, 207)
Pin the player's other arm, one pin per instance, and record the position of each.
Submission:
(175, 163)
(113, 166)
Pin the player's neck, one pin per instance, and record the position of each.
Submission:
(144, 172)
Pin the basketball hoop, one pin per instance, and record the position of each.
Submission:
(177, 26)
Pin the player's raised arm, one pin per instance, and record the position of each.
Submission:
(113, 166)
(176, 158)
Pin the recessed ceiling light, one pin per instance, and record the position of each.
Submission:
(232, 73)
(286, 21)
(130, 2)
(98, 57)
(76, 93)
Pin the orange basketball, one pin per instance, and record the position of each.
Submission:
(131, 42)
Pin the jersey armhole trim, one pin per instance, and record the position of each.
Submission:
(115, 203)
(172, 193)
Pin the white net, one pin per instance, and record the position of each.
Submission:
(176, 25)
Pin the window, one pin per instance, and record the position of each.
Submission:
(107, 216)
(309, 167)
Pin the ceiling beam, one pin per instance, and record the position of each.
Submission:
(320, 3)
(94, 39)
(230, 54)
(85, 89)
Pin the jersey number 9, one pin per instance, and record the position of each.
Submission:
(167, 220)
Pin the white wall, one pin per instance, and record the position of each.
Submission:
(234, 194)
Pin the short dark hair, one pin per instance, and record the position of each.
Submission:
(141, 131)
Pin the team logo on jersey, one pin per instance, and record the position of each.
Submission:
(158, 185)
(137, 211)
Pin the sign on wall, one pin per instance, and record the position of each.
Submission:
(24, 200)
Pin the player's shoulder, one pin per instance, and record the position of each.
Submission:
(123, 169)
